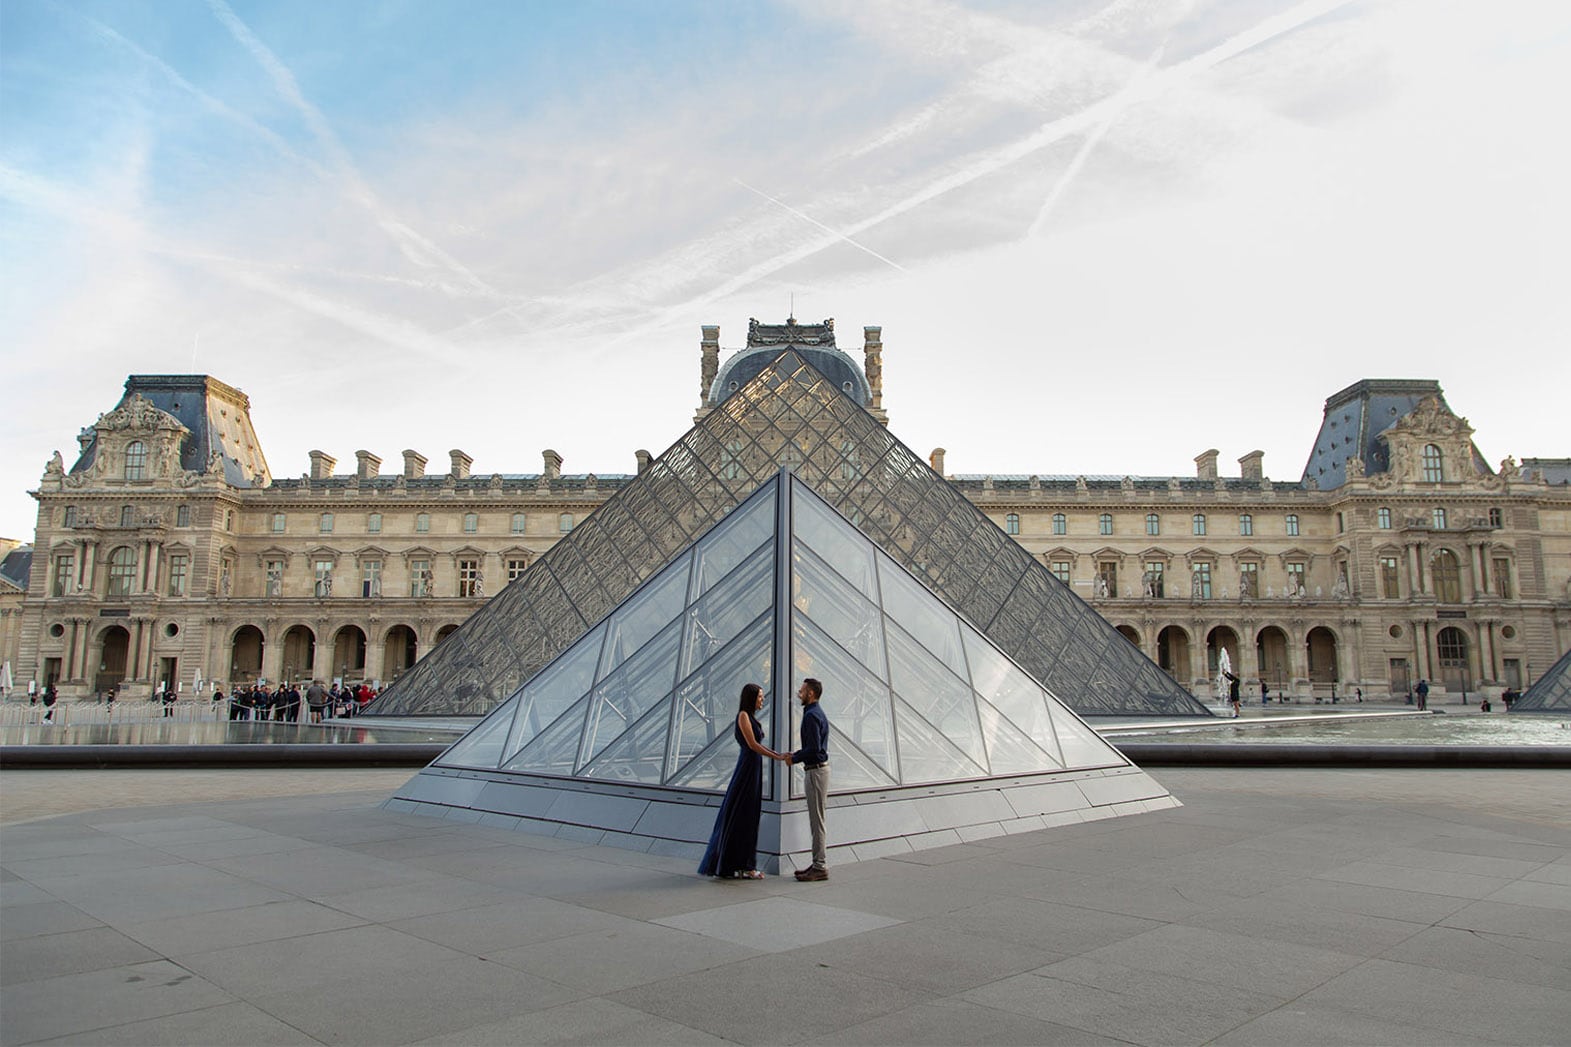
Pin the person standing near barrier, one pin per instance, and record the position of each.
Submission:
(51, 696)
(169, 699)
(315, 700)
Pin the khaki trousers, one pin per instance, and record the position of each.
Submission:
(817, 794)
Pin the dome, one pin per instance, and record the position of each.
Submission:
(815, 343)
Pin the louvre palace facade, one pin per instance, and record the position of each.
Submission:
(167, 551)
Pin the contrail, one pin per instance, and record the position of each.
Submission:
(1092, 140)
(416, 247)
(815, 222)
(1049, 133)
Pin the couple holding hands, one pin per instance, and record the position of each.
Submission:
(733, 846)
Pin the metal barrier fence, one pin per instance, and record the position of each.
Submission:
(18, 713)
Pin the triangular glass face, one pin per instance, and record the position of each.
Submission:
(789, 414)
(915, 691)
(652, 688)
(1552, 691)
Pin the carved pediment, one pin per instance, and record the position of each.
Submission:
(138, 413)
(1430, 419)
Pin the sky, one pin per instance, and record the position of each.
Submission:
(1100, 236)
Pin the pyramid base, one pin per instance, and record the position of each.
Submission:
(862, 825)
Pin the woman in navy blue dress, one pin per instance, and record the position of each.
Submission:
(733, 846)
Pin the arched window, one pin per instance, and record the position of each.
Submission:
(127, 516)
(326, 524)
(1104, 523)
(519, 520)
(1292, 525)
(136, 460)
(1433, 473)
(1437, 518)
(1060, 524)
(373, 523)
(1153, 523)
(1383, 518)
(422, 522)
(1246, 524)
(1448, 577)
(1199, 523)
(1012, 523)
(122, 571)
(471, 523)
(183, 516)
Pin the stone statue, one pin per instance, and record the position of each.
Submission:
(1101, 585)
(1340, 591)
(1270, 592)
(55, 466)
(226, 585)
(479, 586)
(1149, 580)
(1509, 470)
(1196, 586)
(1355, 468)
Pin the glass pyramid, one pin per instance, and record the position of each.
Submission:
(1552, 692)
(790, 415)
(783, 588)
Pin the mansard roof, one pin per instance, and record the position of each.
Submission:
(815, 343)
(17, 566)
(217, 417)
(1353, 423)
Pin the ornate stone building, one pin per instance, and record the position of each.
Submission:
(168, 551)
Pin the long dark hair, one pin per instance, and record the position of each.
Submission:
(748, 703)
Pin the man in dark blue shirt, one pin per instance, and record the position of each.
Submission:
(814, 758)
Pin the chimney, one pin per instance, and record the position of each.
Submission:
(936, 460)
(368, 466)
(1205, 464)
(414, 465)
(1251, 465)
(322, 465)
(461, 463)
(644, 458)
(553, 465)
(709, 353)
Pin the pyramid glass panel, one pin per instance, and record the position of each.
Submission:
(837, 608)
(1009, 749)
(639, 754)
(555, 749)
(545, 698)
(863, 714)
(932, 625)
(727, 609)
(706, 702)
(483, 746)
(627, 694)
(790, 413)
(649, 610)
(942, 698)
(926, 755)
(822, 530)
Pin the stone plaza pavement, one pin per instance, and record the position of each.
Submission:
(1275, 907)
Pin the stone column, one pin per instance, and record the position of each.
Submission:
(709, 361)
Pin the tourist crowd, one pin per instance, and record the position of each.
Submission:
(289, 703)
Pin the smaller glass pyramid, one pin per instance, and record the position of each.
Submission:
(917, 695)
(1551, 693)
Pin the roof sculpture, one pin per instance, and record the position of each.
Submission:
(1552, 692)
(790, 414)
(625, 738)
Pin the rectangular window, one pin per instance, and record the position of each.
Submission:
(1437, 518)
(1503, 578)
(1012, 523)
(422, 523)
(1249, 580)
(1060, 570)
(1292, 525)
(1512, 672)
(122, 572)
(1388, 577)
(179, 571)
(564, 523)
(1383, 518)
(1200, 523)
(327, 523)
(468, 577)
(1153, 524)
(1155, 583)
(1060, 524)
(1338, 523)
(516, 567)
(471, 523)
(278, 523)
(324, 577)
(1107, 579)
(1496, 519)
(1104, 523)
(65, 574)
(127, 516)
(1246, 524)
(183, 516)
(273, 577)
(519, 520)
(419, 577)
(69, 518)
(373, 524)
(371, 578)
(1295, 578)
(1200, 582)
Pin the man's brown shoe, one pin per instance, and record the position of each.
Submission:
(811, 874)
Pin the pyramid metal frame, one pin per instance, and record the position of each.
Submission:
(1551, 693)
(938, 736)
(790, 414)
